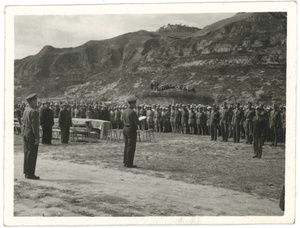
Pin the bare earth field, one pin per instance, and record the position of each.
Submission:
(178, 175)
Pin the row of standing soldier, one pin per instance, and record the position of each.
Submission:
(226, 121)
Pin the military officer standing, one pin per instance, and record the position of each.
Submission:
(237, 122)
(130, 122)
(215, 118)
(258, 130)
(275, 124)
(31, 137)
(65, 122)
(248, 125)
(224, 122)
(47, 121)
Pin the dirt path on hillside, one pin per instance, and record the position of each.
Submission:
(70, 189)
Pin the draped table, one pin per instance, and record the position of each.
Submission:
(101, 125)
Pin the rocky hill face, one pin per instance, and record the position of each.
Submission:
(236, 59)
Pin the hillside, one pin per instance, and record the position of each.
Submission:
(236, 59)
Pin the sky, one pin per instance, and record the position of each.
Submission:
(32, 33)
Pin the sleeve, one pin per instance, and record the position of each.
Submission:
(52, 118)
(135, 119)
(41, 118)
(70, 120)
(59, 119)
(35, 124)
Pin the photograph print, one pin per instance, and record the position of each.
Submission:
(136, 115)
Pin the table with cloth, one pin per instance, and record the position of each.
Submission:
(102, 125)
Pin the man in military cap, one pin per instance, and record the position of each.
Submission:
(18, 115)
(65, 122)
(275, 124)
(130, 122)
(248, 125)
(224, 122)
(215, 118)
(47, 121)
(31, 137)
(237, 122)
(258, 127)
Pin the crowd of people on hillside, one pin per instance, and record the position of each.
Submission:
(228, 121)
(154, 86)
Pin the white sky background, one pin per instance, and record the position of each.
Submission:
(32, 33)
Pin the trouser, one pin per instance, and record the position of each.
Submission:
(173, 126)
(192, 128)
(214, 131)
(65, 133)
(156, 125)
(176, 127)
(198, 129)
(257, 145)
(30, 153)
(236, 132)
(150, 124)
(47, 134)
(224, 130)
(208, 129)
(130, 145)
(283, 134)
(248, 131)
(184, 128)
(274, 130)
(143, 125)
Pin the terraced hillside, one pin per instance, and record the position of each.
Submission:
(236, 59)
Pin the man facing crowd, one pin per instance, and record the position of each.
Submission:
(65, 122)
(31, 137)
(131, 122)
(47, 121)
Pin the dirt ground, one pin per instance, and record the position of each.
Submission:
(178, 175)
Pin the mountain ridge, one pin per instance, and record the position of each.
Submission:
(239, 48)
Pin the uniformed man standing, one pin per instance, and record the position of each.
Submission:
(224, 122)
(31, 137)
(275, 124)
(47, 121)
(258, 127)
(215, 118)
(65, 122)
(130, 122)
(248, 118)
(237, 122)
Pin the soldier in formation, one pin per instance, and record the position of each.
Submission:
(228, 121)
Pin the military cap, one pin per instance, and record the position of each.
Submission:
(65, 104)
(31, 96)
(131, 99)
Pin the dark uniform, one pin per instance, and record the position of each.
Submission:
(258, 130)
(18, 115)
(275, 124)
(215, 117)
(31, 137)
(224, 122)
(248, 125)
(130, 122)
(65, 121)
(237, 121)
(47, 121)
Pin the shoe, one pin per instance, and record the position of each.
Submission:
(34, 177)
(255, 156)
(132, 166)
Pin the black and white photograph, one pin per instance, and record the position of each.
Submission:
(119, 114)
